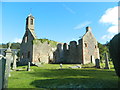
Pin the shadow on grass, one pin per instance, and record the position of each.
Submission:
(74, 78)
(74, 83)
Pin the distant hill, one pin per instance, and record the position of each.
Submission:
(17, 45)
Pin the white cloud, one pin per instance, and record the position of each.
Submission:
(110, 17)
(69, 9)
(106, 37)
(17, 40)
(82, 25)
(113, 29)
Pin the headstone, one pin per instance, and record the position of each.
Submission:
(97, 63)
(7, 66)
(107, 66)
(28, 68)
(2, 72)
(14, 60)
(8, 56)
(61, 65)
(75, 66)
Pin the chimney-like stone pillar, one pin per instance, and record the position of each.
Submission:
(88, 28)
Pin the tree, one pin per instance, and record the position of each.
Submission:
(102, 50)
(114, 49)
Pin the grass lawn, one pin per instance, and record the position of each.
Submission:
(50, 76)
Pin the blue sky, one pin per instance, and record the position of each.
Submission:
(58, 21)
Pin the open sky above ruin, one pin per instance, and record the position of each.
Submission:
(60, 21)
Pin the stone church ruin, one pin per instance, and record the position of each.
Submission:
(35, 51)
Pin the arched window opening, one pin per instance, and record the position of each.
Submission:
(86, 45)
(95, 46)
(31, 22)
(26, 39)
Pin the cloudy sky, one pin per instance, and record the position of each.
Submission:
(60, 21)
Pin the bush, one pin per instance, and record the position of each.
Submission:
(115, 52)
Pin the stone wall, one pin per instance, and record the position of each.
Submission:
(42, 52)
(80, 51)
(90, 48)
(86, 51)
(26, 48)
(71, 53)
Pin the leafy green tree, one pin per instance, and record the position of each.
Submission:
(15, 46)
(102, 50)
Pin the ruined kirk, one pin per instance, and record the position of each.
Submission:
(36, 51)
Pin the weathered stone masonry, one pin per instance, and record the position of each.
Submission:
(86, 51)
(32, 50)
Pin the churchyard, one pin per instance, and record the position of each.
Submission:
(53, 76)
(98, 75)
(101, 74)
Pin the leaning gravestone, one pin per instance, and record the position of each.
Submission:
(106, 62)
(28, 68)
(97, 63)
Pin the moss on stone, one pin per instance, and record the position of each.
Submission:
(51, 42)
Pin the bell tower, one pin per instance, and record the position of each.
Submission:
(30, 22)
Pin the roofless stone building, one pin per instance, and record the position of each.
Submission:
(34, 51)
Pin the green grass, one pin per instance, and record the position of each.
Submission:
(50, 76)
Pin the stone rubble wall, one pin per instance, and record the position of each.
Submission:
(25, 48)
(68, 53)
(86, 51)
(42, 52)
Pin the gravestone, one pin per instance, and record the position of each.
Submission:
(8, 55)
(28, 67)
(14, 60)
(75, 66)
(2, 72)
(97, 63)
(61, 65)
(107, 66)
